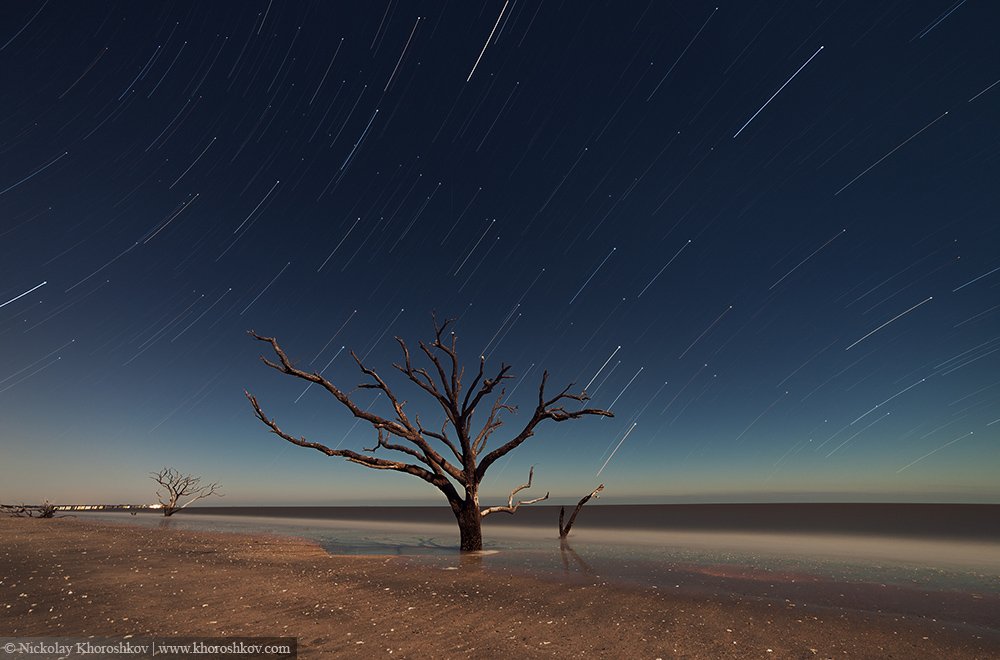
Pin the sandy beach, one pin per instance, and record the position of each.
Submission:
(70, 577)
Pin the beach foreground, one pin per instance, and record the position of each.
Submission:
(69, 577)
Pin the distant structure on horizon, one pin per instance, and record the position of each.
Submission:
(105, 507)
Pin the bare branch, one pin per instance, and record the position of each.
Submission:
(380, 384)
(449, 390)
(438, 480)
(286, 367)
(475, 381)
(423, 380)
(542, 412)
(511, 507)
(492, 422)
(402, 428)
(451, 352)
(488, 385)
(442, 436)
(383, 441)
(564, 531)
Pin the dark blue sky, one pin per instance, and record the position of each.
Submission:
(778, 220)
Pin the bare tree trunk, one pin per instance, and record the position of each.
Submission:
(470, 525)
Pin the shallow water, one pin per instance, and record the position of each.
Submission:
(957, 580)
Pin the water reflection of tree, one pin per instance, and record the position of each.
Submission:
(471, 561)
(567, 553)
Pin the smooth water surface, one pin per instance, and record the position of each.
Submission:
(955, 579)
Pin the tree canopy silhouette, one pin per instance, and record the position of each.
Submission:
(430, 452)
(176, 486)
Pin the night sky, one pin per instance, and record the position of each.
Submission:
(764, 234)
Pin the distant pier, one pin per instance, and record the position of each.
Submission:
(106, 507)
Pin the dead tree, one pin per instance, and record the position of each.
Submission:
(564, 531)
(177, 486)
(431, 451)
(44, 510)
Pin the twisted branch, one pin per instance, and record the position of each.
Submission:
(403, 428)
(511, 507)
(542, 412)
(430, 477)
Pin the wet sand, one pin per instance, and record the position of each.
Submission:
(70, 577)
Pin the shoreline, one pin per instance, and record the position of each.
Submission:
(72, 577)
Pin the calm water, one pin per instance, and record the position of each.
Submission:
(938, 561)
(973, 521)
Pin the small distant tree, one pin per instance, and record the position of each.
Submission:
(176, 486)
(431, 450)
(564, 530)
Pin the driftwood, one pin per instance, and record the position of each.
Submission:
(453, 459)
(43, 510)
(564, 531)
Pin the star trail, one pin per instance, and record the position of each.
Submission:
(739, 229)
